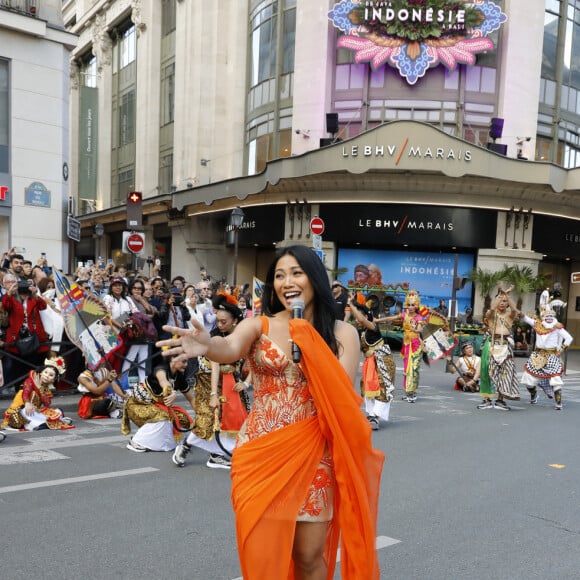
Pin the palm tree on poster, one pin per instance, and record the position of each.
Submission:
(484, 282)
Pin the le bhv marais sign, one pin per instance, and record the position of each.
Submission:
(416, 35)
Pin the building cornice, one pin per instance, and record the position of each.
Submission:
(399, 162)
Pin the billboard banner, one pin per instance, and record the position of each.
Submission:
(396, 272)
(88, 139)
(416, 35)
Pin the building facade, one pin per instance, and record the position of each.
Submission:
(34, 129)
(289, 109)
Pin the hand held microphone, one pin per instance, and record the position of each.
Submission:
(297, 312)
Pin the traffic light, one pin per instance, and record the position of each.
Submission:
(134, 210)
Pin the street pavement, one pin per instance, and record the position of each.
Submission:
(465, 494)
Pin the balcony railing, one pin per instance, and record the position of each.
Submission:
(26, 7)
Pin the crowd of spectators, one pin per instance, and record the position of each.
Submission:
(29, 306)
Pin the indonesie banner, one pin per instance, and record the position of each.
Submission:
(415, 35)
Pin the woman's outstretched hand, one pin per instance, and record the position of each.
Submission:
(189, 341)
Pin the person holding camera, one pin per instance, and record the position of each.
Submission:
(23, 305)
(172, 312)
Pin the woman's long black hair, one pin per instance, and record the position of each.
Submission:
(324, 302)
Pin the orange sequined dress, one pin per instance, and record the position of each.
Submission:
(281, 398)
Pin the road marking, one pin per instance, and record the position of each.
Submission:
(56, 443)
(69, 480)
(381, 542)
(34, 456)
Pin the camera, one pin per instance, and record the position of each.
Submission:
(177, 299)
(24, 287)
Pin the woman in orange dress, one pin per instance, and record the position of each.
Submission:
(304, 473)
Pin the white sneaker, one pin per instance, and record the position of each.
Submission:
(116, 414)
(180, 454)
(136, 447)
(218, 462)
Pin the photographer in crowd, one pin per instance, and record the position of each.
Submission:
(23, 304)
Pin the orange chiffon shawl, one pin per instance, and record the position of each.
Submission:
(271, 476)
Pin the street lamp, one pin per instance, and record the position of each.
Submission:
(236, 220)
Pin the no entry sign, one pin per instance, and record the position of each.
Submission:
(135, 243)
(317, 226)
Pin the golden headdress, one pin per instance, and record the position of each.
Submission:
(413, 298)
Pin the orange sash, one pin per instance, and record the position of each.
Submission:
(234, 413)
(271, 476)
(370, 378)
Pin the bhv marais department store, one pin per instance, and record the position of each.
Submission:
(415, 134)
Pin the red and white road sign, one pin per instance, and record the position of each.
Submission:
(135, 243)
(317, 226)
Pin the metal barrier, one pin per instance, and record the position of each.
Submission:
(72, 383)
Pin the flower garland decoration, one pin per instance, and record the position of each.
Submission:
(415, 35)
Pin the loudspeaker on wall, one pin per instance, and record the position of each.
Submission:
(332, 123)
(496, 128)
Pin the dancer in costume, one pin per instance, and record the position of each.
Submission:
(102, 395)
(498, 371)
(378, 373)
(304, 471)
(468, 365)
(544, 366)
(151, 407)
(219, 394)
(414, 317)
(30, 409)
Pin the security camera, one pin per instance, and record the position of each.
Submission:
(528, 138)
(297, 131)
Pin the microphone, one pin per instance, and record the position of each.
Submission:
(297, 312)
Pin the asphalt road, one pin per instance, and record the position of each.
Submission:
(465, 494)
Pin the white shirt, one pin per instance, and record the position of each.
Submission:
(118, 309)
(553, 339)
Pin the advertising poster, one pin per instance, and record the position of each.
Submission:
(395, 272)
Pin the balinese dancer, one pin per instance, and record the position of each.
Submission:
(414, 317)
(498, 371)
(468, 366)
(544, 367)
(31, 409)
(378, 373)
(220, 397)
(151, 407)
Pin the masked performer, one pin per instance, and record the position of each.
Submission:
(378, 372)
(151, 407)
(544, 366)
(498, 371)
(413, 318)
(30, 408)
